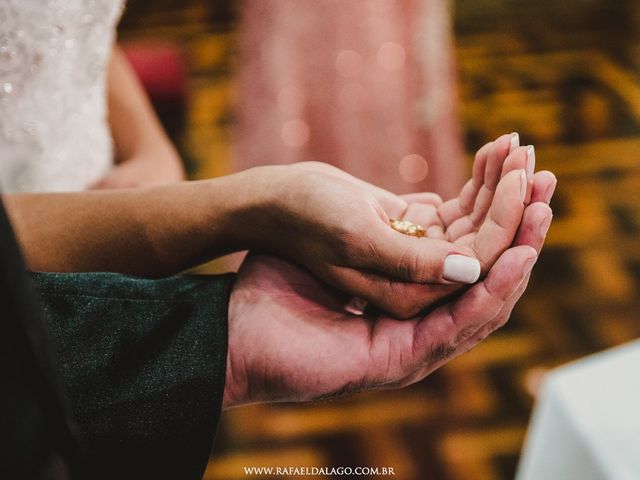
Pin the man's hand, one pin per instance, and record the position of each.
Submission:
(290, 339)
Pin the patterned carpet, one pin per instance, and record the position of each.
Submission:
(568, 80)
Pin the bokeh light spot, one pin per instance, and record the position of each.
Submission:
(413, 168)
(391, 56)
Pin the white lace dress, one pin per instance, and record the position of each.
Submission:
(54, 134)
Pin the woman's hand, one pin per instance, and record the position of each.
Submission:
(338, 227)
(144, 170)
(145, 155)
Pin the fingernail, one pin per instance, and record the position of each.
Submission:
(531, 162)
(461, 269)
(356, 306)
(548, 194)
(544, 226)
(514, 142)
(528, 264)
(523, 185)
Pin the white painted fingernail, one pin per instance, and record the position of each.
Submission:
(523, 185)
(356, 306)
(528, 265)
(458, 268)
(544, 226)
(548, 193)
(531, 161)
(514, 142)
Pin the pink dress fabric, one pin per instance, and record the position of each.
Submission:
(366, 85)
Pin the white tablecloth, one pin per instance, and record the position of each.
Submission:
(586, 424)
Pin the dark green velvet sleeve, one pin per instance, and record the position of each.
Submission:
(144, 363)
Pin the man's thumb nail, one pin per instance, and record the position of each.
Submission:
(461, 269)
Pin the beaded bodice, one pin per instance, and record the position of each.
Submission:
(53, 128)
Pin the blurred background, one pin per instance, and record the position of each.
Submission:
(402, 93)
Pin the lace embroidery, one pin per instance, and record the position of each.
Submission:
(53, 57)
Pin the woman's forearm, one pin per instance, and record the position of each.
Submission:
(145, 155)
(134, 125)
(153, 231)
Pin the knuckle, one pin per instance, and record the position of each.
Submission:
(465, 334)
(398, 303)
(440, 352)
(496, 324)
(405, 311)
(411, 267)
(349, 243)
(312, 165)
(436, 199)
(493, 326)
(480, 337)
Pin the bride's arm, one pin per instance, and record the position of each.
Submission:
(151, 231)
(144, 153)
(336, 227)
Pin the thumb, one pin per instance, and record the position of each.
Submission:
(420, 260)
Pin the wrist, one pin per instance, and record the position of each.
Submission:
(255, 218)
(236, 380)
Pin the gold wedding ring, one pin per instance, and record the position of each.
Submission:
(408, 228)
